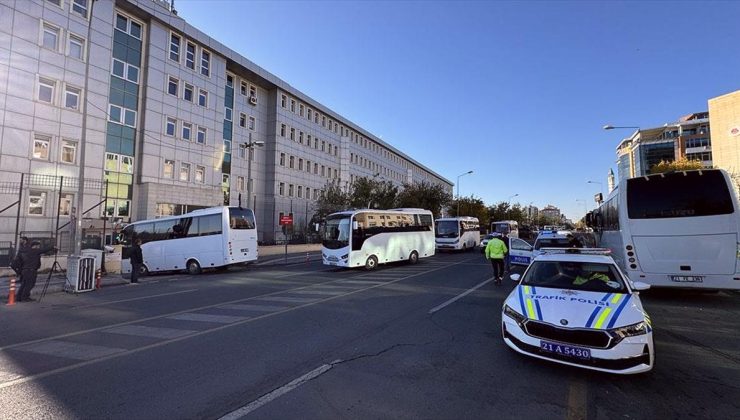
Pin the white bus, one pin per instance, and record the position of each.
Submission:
(457, 233)
(366, 238)
(677, 229)
(508, 227)
(208, 238)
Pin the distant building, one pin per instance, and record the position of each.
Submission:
(724, 112)
(688, 138)
(551, 212)
(531, 212)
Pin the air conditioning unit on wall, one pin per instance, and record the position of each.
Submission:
(253, 100)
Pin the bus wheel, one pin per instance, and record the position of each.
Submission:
(371, 263)
(414, 257)
(193, 267)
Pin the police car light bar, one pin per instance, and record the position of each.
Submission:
(586, 251)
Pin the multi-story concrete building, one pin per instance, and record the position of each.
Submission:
(551, 212)
(724, 113)
(158, 113)
(688, 138)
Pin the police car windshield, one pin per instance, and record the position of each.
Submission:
(552, 243)
(582, 276)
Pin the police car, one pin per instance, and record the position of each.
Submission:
(551, 239)
(575, 307)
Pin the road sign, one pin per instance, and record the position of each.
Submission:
(286, 220)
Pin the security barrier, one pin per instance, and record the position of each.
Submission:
(80, 274)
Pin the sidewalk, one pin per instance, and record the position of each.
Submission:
(268, 255)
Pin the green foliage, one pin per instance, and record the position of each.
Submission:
(504, 211)
(424, 195)
(372, 193)
(469, 206)
(682, 164)
(333, 199)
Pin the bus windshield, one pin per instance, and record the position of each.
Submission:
(240, 218)
(679, 194)
(336, 231)
(501, 228)
(447, 229)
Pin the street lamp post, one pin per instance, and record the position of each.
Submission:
(458, 190)
(601, 187)
(249, 147)
(515, 195)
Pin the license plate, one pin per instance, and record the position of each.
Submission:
(332, 263)
(577, 352)
(687, 279)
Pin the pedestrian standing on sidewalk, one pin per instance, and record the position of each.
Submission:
(495, 251)
(137, 259)
(30, 264)
(17, 263)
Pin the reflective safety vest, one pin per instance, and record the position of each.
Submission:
(593, 276)
(495, 249)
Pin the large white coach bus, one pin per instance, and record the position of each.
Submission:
(366, 238)
(508, 227)
(208, 238)
(457, 233)
(678, 229)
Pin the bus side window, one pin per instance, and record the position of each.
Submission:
(193, 227)
(144, 231)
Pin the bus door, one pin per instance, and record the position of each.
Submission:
(520, 252)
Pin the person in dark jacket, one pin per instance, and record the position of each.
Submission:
(574, 242)
(30, 264)
(137, 259)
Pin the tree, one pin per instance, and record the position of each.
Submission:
(333, 199)
(424, 195)
(469, 206)
(681, 164)
(372, 193)
(504, 211)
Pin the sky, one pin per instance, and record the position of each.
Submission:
(517, 92)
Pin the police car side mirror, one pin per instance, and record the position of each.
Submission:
(640, 286)
(515, 277)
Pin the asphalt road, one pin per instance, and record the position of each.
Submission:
(306, 341)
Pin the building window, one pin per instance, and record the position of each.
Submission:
(202, 135)
(185, 172)
(290, 190)
(41, 145)
(292, 105)
(203, 98)
(46, 90)
(229, 115)
(316, 143)
(125, 71)
(240, 183)
(252, 91)
(292, 162)
(323, 170)
(122, 115)
(76, 47)
(243, 88)
(283, 99)
(282, 130)
(308, 166)
(190, 55)
(72, 97)
(308, 114)
(187, 129)
(323, 121)
(300, 164)
(308, 140)
(242, 119)
(171, 127)
(200, 174)
(36, 201)
(300, 137)
(308, 193)
(56, 2)
(187, 93)
(315, 168)
(300, 110)
(205, 63)
(69, 151)
(169, 168)
(282, 159)
(292, 134)
(281, 188)
(175, 47)
(65, 204)
(80, 7)
(173, 86)
(316, 118)
(229, 80)
(128, 26)
(252, 123)
(50, 37)
(300, 191)
(323, 146)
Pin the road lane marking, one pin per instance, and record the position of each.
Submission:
(246, 307)
(133, 299)
(287, 299)
(318, 292)
(460, 296)
(220, 319)
(81, 364)
(151, 332)
(71, 350)
(577, 402)
(259, 402)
